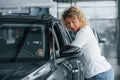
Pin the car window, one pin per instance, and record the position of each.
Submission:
(62, 34)
(22, 42)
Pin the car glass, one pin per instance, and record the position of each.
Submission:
(62, 34)
(22, 42)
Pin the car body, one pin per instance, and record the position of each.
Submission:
(30, 49)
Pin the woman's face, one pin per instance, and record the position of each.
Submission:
(73, 23)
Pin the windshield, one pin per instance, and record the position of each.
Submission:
(22, 42)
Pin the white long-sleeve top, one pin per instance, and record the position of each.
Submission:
(94, 62)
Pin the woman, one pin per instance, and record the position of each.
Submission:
(95, 65)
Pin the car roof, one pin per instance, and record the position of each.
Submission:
(19, 19)
(37, 17)
(44, 19)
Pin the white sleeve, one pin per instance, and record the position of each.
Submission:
(81, 39)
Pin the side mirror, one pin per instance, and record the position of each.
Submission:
(70, 50)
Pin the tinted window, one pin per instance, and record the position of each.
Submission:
(62, 34)
(22, 41)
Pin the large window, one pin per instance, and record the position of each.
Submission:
(22, 42)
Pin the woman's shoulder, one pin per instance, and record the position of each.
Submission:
(85, 29)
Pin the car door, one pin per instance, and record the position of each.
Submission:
(74, 65)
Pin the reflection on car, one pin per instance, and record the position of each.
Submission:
(36, 48)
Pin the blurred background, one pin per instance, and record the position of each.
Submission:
(104, 16)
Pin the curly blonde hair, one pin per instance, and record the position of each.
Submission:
(72, 12)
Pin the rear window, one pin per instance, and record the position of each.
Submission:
(19, 42)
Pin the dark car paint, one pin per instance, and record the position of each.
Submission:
(21, 70)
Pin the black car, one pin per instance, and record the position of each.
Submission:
(37, 48)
